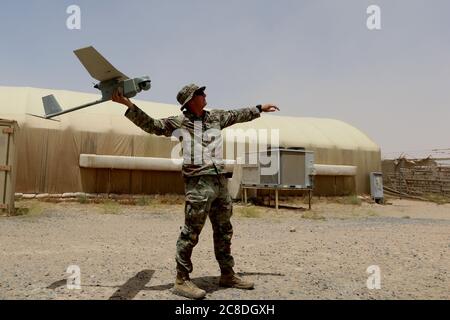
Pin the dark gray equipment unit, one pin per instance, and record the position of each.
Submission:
(376, 186)
(282, 168)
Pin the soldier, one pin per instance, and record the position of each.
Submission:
(206, 190)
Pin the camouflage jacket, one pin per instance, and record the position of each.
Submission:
(200, 136)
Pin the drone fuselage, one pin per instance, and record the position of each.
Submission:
(128, 87)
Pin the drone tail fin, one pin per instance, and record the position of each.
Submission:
(51, 106)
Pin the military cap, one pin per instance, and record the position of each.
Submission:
(186, 94)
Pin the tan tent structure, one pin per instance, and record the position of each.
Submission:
(49, 151)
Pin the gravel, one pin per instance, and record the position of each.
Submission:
(129, 254)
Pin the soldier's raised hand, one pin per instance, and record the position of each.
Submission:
(118, 97)
(269, 108)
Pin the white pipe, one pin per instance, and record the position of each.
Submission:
(334, 170)
(166, 164)
(137, 163)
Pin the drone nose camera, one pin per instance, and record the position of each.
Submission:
(145, 85)
(131, 87)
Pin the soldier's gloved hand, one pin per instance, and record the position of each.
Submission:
(120, 98)
(269, 108)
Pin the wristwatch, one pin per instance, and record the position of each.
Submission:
(259, 107)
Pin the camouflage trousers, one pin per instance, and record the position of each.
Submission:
(206, 195)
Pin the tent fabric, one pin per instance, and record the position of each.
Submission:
(48, 151)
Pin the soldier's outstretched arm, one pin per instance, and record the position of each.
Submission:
(160, 127)
(228, 118)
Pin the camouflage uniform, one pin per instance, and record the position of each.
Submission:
(206, 190)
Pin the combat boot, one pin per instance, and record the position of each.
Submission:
(186, 288)
(230, 280)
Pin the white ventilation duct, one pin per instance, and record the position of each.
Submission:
(165, 164)
(136, 163)
(334, 170)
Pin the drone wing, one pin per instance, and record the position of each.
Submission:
(97, 66)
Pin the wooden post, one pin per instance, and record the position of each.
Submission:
(276, 200)
(309, 198)
(8, 164)
(109, 181)
(245, 195)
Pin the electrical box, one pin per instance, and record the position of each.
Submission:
(280, 167)
(376, 186)
(8, 134)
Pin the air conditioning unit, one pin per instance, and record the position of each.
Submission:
(279, 167)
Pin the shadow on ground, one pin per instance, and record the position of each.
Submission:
(130, 289)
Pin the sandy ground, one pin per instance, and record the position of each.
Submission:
(127, 252)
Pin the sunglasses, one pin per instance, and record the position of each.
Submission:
(200, 93)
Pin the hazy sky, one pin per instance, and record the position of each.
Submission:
(311, 58)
